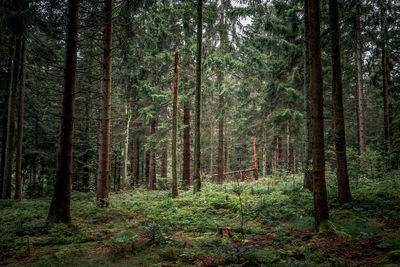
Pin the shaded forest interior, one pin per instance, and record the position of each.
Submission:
(200, 133)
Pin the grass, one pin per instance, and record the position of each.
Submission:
(267, 222)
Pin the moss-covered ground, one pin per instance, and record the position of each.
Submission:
(268, 222)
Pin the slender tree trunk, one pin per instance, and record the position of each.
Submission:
(21, 80)
(212, 120)
(186, 115)
(221, 142)
(288, 148)
(175, 129)
(360, 86)
(308, 181)
(147, 169)
(197, 149)
(103, 177)
(137, 172)
(264, 144)
(164, 161)
(385, 79)
(60, 203)
(87, 156)
(278, 153)
(153, 178)
(337, 102)
(321, 212)
(126, 145)
(226, 158)
(255, 159)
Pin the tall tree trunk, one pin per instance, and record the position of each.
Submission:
(103, 177)
(4, 119)
(360, 86)
(255, 159)
(288, 148)
(308, 181)
(186, 114)
(175, 130)
(21, 81)
(197, 149)
(126, 145)
(164, 161)
(321, 212)
(153, 179)
(147, 169)
(337, 102)
(12, 99)
(137, 172)
(226, 157)
(212, 120)
(278, 153)
(60, 203)
(264, 144)
(87, 156)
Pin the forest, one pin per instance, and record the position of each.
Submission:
(199, 133)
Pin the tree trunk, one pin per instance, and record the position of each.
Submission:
(164, 161)
(308, 181)
(147, 169)
(278, 153)
(337, 103)
(126, 145)
(137, 172)
(226, 158)
(60, 203)
(288, 148)
(21, 81)
(212, 120)
(12, 99)
(360, 86)
(255, 159)
(175, 129)
(264, 144)
(197, 152)
(221, 140)
(321, 212)
(105, 114)
(153, 179)
(87, 156)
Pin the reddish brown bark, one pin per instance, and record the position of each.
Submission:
(255, 159)
(103, 177)
(288, 148)
(321, 212)
(164, 161)
(60, 203)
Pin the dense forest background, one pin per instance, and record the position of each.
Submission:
(167, 95)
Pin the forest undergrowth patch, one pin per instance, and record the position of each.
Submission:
(266, 222)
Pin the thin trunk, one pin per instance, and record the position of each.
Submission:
(103, 177)
(60, 203)
(21, 80)
(197, 149)
(288, 148)
(137, 172)
(164, 161)
(308, 181)
(147, 169)
(212, 120)
(360, 86)
(321, 212)
(337, 102)
(226, 156)
(186, 116)
(278, 153)
(263, 148)
(255, 159)
(153, 179)
(175, 129)
(126, 145)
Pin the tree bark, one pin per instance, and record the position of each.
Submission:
(278, 153)
(126, 145)
(360, 86)
(264, 144)
(337, 103)
(103, 177)
(60, 203)
(175, 129)
(288, 148)
(21, 81)
(308, 181)
(164, 161)
(321, 212)
(197, 149)
(153, 177)
(255, 159)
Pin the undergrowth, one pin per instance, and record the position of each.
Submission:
(266, 222)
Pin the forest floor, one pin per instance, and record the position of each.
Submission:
(263, 223)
